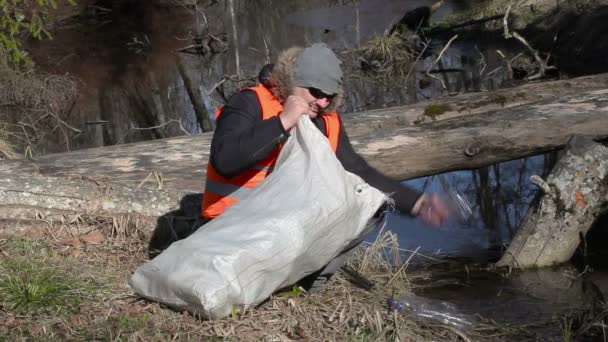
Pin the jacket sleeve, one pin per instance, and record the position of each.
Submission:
(241, 137)
(404, 196)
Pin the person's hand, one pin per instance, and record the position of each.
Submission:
(293, 108)
(432, 209)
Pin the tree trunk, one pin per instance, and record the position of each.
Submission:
(202, 115)
(575, 194)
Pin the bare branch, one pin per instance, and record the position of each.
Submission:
(217, 85)
(267, 52)
(162, 125)
(493, 71)
(543, 67)
(438, 59)
(482, 61)
(509, 68)
(417, 59)
(235, 38)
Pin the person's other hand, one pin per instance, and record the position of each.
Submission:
(432, 209)
(293, 108)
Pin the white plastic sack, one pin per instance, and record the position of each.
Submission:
(291, 225)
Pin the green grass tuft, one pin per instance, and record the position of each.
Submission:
(31, 283)
(26, 288)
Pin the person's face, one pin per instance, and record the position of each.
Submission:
(317, 100)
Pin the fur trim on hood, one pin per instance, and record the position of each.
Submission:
(280, 80)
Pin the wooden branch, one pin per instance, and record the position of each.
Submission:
(542, 64)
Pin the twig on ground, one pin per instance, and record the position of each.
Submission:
(403, 267)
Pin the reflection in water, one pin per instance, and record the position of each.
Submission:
(536, 302)
(499, 196)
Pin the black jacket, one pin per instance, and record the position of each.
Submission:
(242, 139)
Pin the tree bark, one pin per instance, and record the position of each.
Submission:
(26, 197)
(575, 194)
(473, 103)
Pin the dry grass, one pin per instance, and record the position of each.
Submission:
(97, 260)
(33, 106)
(7, 151)
(390, 56)
(44, 93)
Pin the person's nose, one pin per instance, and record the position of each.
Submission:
(323, 102)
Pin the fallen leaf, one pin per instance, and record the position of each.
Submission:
(86, 309)
(135, 309)
(72, 241)
(580, 200)
(93, 238)
(36, 328)
(75, 252)
(8, 321)
(119, 306)
(76, 321)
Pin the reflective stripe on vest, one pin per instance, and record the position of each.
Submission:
(220, 192)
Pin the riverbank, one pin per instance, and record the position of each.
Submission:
(69, 282)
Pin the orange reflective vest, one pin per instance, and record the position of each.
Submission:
(220, 192)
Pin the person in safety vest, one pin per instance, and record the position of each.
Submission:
(253, 125)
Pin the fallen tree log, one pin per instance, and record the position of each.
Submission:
(479, 140)
(574, 195)
(24, 197)
(447, 107)
(175, 167)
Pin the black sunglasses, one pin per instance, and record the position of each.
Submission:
(318, 94)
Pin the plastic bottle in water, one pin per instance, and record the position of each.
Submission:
(457, 202)
(432, 310)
